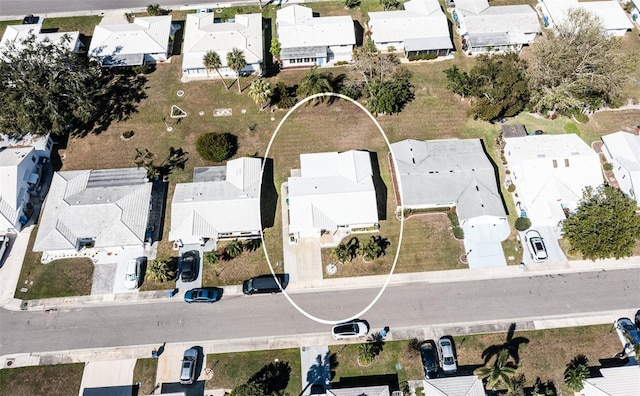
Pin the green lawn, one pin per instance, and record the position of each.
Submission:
(55, 380)
(233, 369)
(145, 372)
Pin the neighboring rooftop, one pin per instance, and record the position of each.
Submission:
(297, 27)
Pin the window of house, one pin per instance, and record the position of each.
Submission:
(555, 163)
(566, 162)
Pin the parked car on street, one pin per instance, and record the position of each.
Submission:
(447, 356)
(536, 246)
(190, 265)
(264, 284)
(203, 295)
(429, 356)
(351, 329)
(628, 333)
(188, 369)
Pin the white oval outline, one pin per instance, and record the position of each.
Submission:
(264, 247)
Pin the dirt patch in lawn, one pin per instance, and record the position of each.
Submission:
(145, 373)
(56, 380)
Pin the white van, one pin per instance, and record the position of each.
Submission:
(131, 277)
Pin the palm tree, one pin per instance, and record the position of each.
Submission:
(237, 62)
(341, 253)
(212, 61)
(575, 372)
(234, 249)
(160, 271)
(499, 373)
(260, 92)
(369, 250)
(315, 82)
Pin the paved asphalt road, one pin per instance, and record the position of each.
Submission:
(411, 305)
(39, 7)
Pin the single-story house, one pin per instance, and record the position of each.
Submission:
(222, 202)
(615, 20)
(203, 34)
(446, 174)
(147, 40)
(306, 40)
(421, 28)
(21, 167)
(331, 192)
(106, 210)
(16, 34)
(550, 173)
(618, 381)
(622, 150)
(485, 28)
(465, 385)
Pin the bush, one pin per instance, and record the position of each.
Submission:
(523, 223)
(351, 3)
(391, 48)
(211, 258)
(570, 127)
(607, 166)
(458, 232)
(127, 134)
(283, 96)
(511, 188)
(142, 69)
(217, 147)
(453, 218)
(341, 63)
(422, 57)
(352, 90)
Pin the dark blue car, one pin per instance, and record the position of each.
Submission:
(203, 295)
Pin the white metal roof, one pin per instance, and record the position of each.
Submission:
(610, 12)
(615, 381)
(146, 35)
(110, 206)
(472, 6)
(419, 19)
(203, 35)
(448, 171)
(211, 207)
(297, 27)
(18, 33)
(516, 20)
(624, 148)
(467, 385)
(333, 189)
(550, 172)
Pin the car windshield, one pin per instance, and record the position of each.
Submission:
(448, 360)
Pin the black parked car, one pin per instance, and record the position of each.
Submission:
(429, 356)
(30, 19)
(190, 265)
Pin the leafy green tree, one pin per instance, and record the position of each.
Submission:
(388, 97)
(365, 58)
(577, 65)
(389, 4)
(575, 372)
(212, 61)
(233, 249)
(369, 250)
(368, 351)
(499, 85)
(351, 3)
(341, 253)
(284, 96)
(248, 389)
(522, 223)
(161, 270)
(517, 384)
(315, 82)
(154, 10)
(217, 147)
(459, 82)
(499, 373)
(46, 88)
(275, 48)
(236, 61)
(604, 224)
(145, 159)
(260, 92)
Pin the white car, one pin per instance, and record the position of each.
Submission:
(447, 357)
(351, 329)
(4, 246)
(132, 276)
(536, 245)
(188, 369)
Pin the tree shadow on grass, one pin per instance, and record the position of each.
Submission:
(273, 378)
(123, 90)
(511, 344)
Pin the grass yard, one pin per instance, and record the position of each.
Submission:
(547, 352)
(59, 278)
(395, 358)
(145, 373)
(233, 369)
(55, 380)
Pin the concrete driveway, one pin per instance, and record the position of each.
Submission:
(109, 270)
(483, 244)
(184, 286)
(108, 373)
